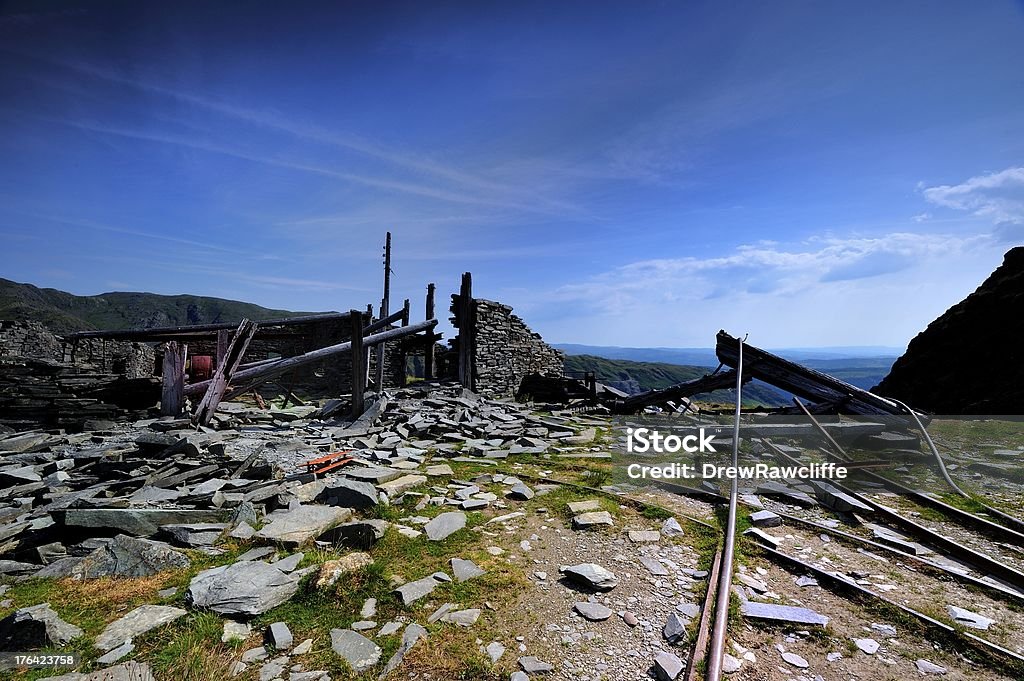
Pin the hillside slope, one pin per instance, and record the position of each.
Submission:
(942, 370)
(636, 377)
(63, 312)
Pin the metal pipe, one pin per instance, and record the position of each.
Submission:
(714, 670)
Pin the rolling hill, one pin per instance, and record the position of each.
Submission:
(635, 377)
(62, 312)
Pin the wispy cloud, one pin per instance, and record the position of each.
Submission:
(998, 196)
(425, 176)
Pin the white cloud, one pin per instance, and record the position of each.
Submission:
(998, 196)
(877, 290)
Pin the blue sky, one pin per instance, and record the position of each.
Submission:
(621, 173)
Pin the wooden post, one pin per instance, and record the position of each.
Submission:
(403, 370)
(172, 397)
(428, 348)
(222, 376)
(366, 357)
(358, 375)
(223, 338)
(384, 305)
(467, 329)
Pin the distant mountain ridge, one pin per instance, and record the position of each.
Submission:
(635, 377)
(860, 367)
(63, 312)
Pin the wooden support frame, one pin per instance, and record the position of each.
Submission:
(222, 376)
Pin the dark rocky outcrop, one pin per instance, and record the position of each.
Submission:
(971, 359)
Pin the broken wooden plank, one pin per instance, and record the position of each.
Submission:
(704, 384)
(799, 380)
(222, 377)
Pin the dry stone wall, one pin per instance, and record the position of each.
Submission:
(506, 350)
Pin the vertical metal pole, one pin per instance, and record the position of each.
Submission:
(714, 672)
(384, 311)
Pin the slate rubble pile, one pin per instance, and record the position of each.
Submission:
(135, 499)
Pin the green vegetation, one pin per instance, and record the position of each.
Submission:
(63, 312)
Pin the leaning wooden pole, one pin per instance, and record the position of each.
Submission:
(467, 327)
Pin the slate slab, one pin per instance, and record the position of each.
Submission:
(243, 588)
(140, 620)
(444, 525)
(300, 525)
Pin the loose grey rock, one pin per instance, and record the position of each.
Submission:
(359, 534)
(349, 494)
(363, 625)
(289, 563)
(303, 648)
(299, 525)
(35, 627)
(117, 653)
(390, 628)
(463, 618)
(244, 588)
(360, 652)
(594, 612)
(968, 618)
(577, 507)
(731, 664)
(592, 575)
(444, 525)
(140, 620)
(593, 519)
(926, 667)
(254, 654)
(531, 665)
(410, 636)
(671, 528)
(519, 676)
(795, 660)
(235, 631)
(765, 519)
(674, 629)
(667, 666)
(274, 668)
(520, 492)
(126, 556)
(653, 566)
(868, 645)
(465, 569)
(644, 536)
(280, 636)
(369, 608)
(410, 592)
(494, 651)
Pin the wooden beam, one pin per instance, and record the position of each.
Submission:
(222, 376)
(172, 396)
(807, 383)
(704, 384)
(356, 353)
(266, 372)
(428, 346)
(149, 334)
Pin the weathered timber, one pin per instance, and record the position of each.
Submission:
(223, 339)
(260, 374)
(383, 323)
(464, 316)
(704, 384)
(428, 346)
(208, 329)
(172, 396)
(807, 383)
(358, 357)
(222, 377)
(384, 309)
